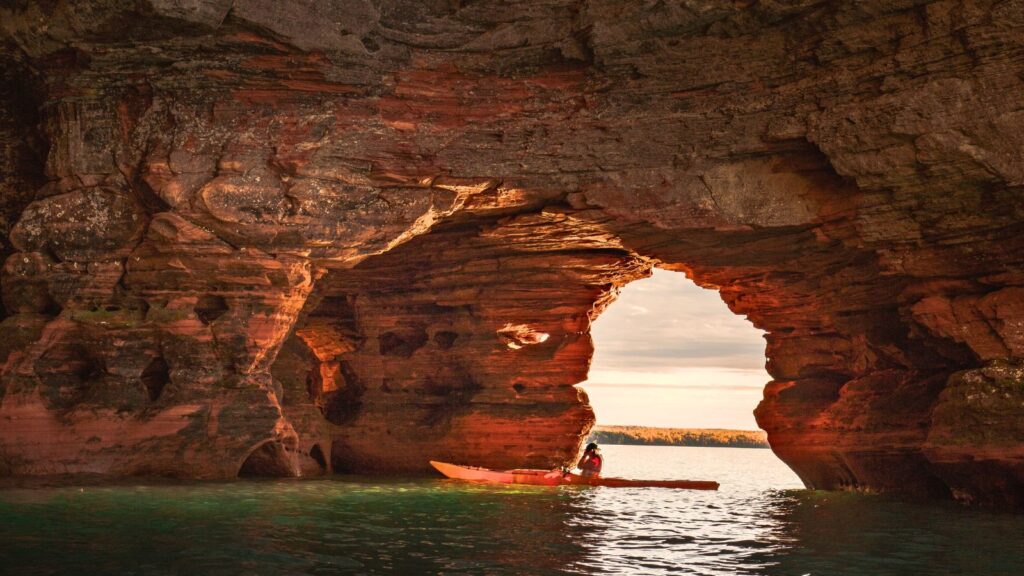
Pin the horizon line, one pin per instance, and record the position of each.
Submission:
(673, 386)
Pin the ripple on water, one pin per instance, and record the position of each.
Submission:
(426, 526)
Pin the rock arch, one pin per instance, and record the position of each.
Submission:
(847, 175)
(270, 459)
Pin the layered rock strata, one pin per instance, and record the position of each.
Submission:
(266, 238)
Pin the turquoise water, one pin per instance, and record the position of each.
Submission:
(758, 523)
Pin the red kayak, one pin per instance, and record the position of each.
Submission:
(559, 478)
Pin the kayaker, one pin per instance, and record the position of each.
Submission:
(590, 463)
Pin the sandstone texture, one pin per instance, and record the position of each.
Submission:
(245, 237)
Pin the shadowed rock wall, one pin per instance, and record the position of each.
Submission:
(278, 237)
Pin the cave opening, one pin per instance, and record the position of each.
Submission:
(50, 307)
(271, 459)
(155, 377)
(342, 402)
(398, 353)
(318, 455)
(670, 354)
(210, 307)
(402, 343)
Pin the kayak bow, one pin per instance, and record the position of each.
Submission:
(558, 478)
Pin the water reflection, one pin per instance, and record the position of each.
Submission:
(838, 533)
(699, 534)
(753, 526)
(312, 527)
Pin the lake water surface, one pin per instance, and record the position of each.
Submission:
(760, 523)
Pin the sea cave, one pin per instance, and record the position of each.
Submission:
(246, 238)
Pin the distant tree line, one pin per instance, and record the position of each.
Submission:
(644, 436)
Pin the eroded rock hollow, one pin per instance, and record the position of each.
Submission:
(279, 238)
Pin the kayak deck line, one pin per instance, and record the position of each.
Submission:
(538, 477)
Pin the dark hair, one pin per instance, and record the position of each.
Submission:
(591, 446)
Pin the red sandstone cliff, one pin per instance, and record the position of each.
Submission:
(281, 237)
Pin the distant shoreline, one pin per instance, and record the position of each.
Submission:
(707, 437)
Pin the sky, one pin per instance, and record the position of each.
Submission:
(669, 353)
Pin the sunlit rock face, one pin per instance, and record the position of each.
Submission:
(282, 238)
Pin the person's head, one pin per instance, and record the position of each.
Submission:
(592, 447)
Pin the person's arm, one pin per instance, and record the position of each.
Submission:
(583, 460)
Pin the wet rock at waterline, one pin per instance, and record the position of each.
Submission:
(289, 238)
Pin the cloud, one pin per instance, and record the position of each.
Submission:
(666, 321)
(686, 361)
(635, 310)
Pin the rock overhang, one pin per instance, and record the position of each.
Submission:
(325, 222)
